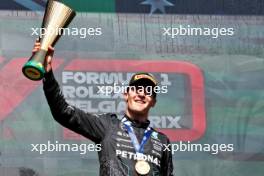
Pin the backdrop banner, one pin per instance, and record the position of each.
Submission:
(210, 102)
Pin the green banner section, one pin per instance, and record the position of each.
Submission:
(91, 6)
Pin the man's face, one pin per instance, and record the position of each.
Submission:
(138, 100)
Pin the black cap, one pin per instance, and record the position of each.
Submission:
(143, 77)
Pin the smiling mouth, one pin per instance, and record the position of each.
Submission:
(140, 101)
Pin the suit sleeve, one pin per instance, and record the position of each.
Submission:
(89, 125)
(166, 163)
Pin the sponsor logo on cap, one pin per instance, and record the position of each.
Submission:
(137, 77)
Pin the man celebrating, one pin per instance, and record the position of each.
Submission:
(129, 146)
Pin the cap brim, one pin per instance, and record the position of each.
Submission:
(143, 82)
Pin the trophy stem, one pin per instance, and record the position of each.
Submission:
(34, 67)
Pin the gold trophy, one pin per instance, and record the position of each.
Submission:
(57, 16)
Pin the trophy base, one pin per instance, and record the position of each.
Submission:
(33, 70)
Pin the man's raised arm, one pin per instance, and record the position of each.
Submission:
(89, 125)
